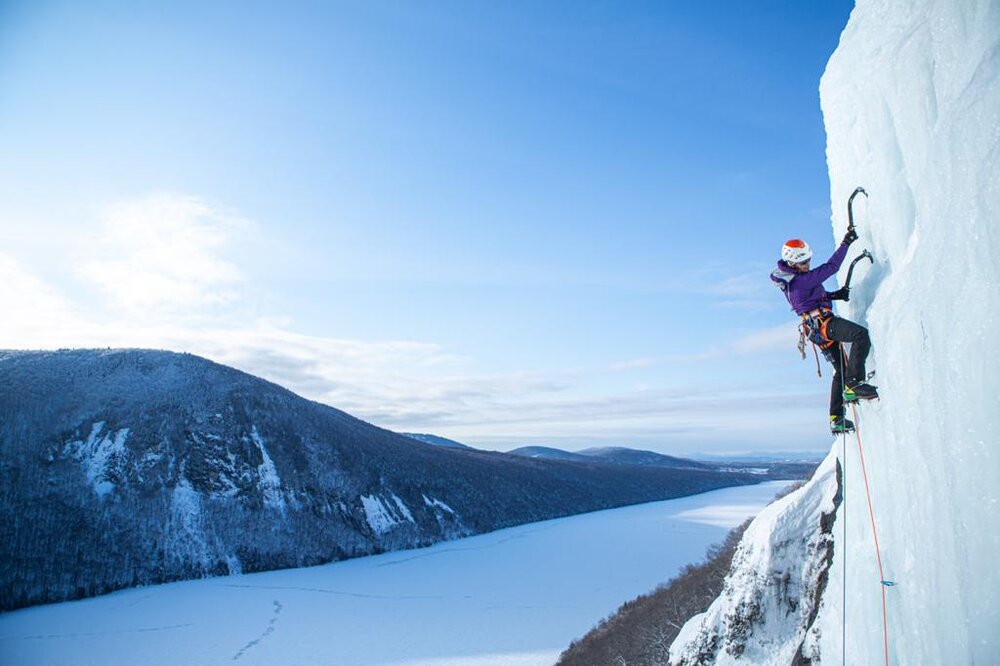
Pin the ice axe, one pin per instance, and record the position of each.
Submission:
(850, 227)
(850, 206)
(850, 271)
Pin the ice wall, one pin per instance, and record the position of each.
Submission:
(911, 102)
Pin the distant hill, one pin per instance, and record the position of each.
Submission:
(131, 467)
(773, 456)
(615, 455)
(624, 456)
(611, 455)
(548, 453)
(435, 440)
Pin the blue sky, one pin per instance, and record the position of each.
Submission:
(507, 223)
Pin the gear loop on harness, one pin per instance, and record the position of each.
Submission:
(814, 325)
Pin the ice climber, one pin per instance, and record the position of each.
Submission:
(805, 293)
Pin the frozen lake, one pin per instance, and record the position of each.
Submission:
(515, 596)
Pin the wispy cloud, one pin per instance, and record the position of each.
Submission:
(637, 363)
(30, 307)
(164, 251)
(662, 420)
(748, 289)
(160, 268)
(773, 339)
(781, 338)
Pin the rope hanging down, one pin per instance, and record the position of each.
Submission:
(883, 582)
(843, 591)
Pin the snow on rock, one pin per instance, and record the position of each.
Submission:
(383, 516)
(437, 504)
(186, 533)
(911, 103)
(402, 508)
(779, 571)
(270, 483)
(102, 458)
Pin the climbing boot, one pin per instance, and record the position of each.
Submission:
(860, 391)
(839, 425)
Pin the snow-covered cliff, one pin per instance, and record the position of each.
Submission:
(133, 467)
(911, 101)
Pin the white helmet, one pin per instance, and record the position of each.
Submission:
(795, 251)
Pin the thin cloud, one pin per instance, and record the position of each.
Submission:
(662, 422)
(636, 363)
(30, 307)
(747, 289)
(403, 384)
(751, 291)
(774, 339)
(164, 251)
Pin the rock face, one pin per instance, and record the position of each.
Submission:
(771, 597)
(129, 467)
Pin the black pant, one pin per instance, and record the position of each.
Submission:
(843, 330)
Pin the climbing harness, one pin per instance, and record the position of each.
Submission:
(814, 325)
(814, 322)
(812, 329)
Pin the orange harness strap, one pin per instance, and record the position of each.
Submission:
(817, 320)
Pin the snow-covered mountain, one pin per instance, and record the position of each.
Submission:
(911, 102)
(129, 467)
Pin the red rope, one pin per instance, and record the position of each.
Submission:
(878, 553)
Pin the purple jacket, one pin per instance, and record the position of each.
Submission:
(805, 291)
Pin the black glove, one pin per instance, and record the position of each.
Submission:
(850, 236)
(842, 294)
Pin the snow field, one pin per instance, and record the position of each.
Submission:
(516, 596)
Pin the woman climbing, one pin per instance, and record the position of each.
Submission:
(813, 303)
